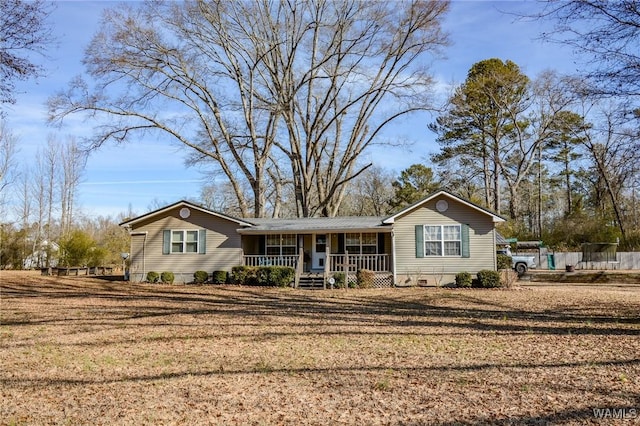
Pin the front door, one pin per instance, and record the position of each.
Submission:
(318, 252)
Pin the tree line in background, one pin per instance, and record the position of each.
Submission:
(561, 166)
(48, 231)
(283, 99)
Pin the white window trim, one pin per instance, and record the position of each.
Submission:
(184, 241)
(442, 241)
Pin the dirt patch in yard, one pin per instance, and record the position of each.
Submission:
(90, 351)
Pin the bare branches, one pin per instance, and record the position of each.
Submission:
(23, 30)
(608, 33)
(303, 87)
(8, 165)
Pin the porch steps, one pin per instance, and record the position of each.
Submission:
(311, 281)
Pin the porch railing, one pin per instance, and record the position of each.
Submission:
(264, 260)
(354, 262)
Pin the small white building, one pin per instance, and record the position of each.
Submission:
(48, 250)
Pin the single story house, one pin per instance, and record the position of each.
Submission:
(427, 242)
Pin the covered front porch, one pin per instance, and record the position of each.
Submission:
(323, 253)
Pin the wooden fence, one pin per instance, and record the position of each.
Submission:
(623, 261)
(76, 271)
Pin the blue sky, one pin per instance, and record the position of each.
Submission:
(142, 173)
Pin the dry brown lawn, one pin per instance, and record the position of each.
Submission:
(88, 351)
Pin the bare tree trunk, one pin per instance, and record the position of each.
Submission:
(73, 162)
(497, 198)
(597, 151)
(569, 193)
(486, 173)
(51, 174)
(25, 210)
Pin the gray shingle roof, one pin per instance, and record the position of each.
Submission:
(317, 224)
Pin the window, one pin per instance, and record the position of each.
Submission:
(281, 244)
(361, 243)
(442, 240)
(432, 241)
(321, 243)
(184, 241)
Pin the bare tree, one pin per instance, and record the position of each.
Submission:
(23, 30)
(43, 180)
(613, 150)
(72, 161)
(221, 197)
(233, 80)
(8, 165)
(359, 72)
(24, 197)
(369, 194)
(608, 33)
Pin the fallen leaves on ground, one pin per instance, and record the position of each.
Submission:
(90, 351)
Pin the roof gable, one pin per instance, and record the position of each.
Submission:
(391, 219)
(187, 204)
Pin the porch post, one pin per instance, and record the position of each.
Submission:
(393, 256)
(345, 267)
(300, 262)
(327, 261)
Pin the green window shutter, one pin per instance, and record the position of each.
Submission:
(419, 241)
(166, 241)
(380, 243)
(464, 234)
(202, 241)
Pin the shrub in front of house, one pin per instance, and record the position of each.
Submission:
(365, 278)
(238, 274)
(278, 276)
(463, 279)
(200, 277)
(504, 261)
(285, 276)
(488, 278)
(219, 277)
(340, 279)
(152, 277)
(244, 275)
(167, 277)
